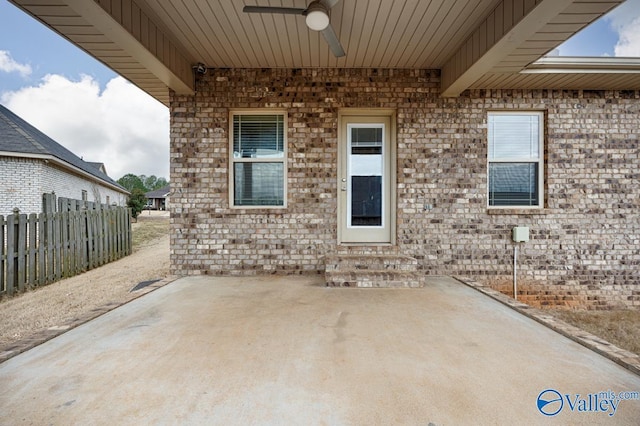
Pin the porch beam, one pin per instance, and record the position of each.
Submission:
(510, 24)
(121, 22)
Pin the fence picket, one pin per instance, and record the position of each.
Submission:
(100, 238)
(90, 254)
(2, 255)
(12, 243)
(42, 257)
(49, 243)
(57, 243)
(21, 252)
(64, 241)
(32, 278)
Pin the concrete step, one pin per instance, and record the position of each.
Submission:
(374, 279)
(381, 262)
(372, 270)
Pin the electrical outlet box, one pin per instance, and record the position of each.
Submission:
(520, 234)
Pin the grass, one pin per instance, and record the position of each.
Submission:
(148, 228)
(619, 327)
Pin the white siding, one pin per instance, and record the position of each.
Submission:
(23, 181)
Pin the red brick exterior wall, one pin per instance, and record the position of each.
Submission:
(585, 244)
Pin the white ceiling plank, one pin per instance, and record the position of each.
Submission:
(415, 34)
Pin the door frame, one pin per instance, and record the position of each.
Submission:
(347, 114)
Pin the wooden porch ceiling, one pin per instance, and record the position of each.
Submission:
(476, 44)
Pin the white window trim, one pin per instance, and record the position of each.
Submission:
(284, 159)
(541, 146)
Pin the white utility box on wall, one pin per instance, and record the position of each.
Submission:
(520, 234)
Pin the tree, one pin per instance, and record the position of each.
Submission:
(143, 182)
(136, 202)
(149, 182)
(161, 183)
(131, 182)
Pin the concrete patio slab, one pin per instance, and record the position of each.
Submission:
(286, 350)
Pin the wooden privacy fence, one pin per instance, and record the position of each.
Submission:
(39, 249)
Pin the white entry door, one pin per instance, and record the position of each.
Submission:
(364, 183)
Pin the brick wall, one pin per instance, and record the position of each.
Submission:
(19, 180)
(584, 244)
(24, 180)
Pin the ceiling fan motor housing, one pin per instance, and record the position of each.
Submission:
(317, 16)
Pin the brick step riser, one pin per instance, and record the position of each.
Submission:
(375, 284)
(372, 271)
(372, 267)
(377, 279)
(370, 259)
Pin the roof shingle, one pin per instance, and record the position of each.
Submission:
(18, 136)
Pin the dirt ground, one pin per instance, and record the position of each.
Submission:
(59, 303)
(619, 326)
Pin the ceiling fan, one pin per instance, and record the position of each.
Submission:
(317, 19)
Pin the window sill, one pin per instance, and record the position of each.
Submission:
(517, 211)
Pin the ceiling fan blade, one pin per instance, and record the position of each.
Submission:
(267, 9)
(334, 44)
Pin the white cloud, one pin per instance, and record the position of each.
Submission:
(8, 64)
(625, 20)
(120, 126)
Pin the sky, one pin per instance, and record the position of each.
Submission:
(79, 102)
(616, 34)
(101, 117)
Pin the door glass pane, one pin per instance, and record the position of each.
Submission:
(365, 174)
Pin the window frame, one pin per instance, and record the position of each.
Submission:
(283, 159)
(539, 161)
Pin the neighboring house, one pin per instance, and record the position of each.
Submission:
(31, 164)
(442, 128)
(99, 166)
(158, 199)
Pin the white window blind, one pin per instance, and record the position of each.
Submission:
(514, 137)
(258, 136)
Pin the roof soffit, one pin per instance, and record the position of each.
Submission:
(515, 34)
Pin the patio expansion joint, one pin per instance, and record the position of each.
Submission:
(620, 356)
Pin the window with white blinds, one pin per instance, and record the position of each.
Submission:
(515, 159)
(258, 147)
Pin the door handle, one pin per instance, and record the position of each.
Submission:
(344, 184)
